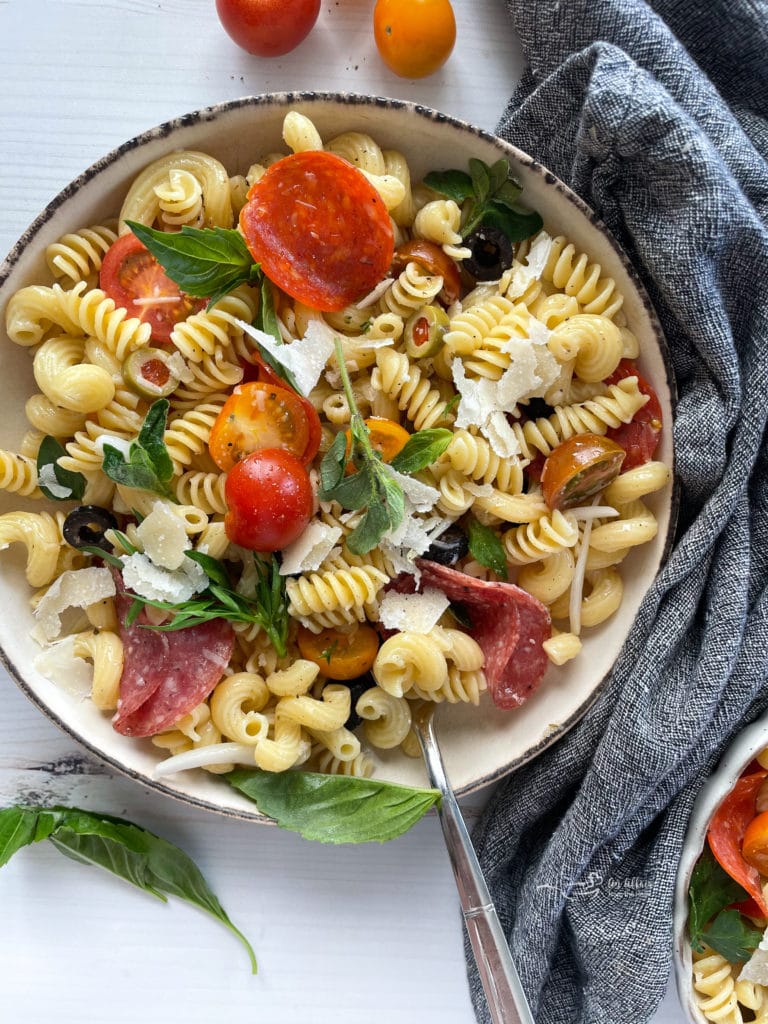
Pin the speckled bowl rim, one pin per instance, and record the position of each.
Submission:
(211, 113)
(742, 750)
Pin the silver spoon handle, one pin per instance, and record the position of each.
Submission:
(504, 992)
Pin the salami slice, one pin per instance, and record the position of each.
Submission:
(319, 229)
(509, 624)
(167, 674)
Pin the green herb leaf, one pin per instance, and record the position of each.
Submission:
(516, 224)
(481, 179)
(422, 449)
(132, 853)
(48, 454)
(711, 890)
(149, 466)
(508, 194)
(456, 185)
(332, 808)
(333, 463)
(266, 321)
(486, 548)
(204, 262)
(732, 936)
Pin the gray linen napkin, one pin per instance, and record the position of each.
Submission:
(656, 114)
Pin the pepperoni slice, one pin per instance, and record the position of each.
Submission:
(726, 832)
(509, 624)
(319, 229)
(167, 674)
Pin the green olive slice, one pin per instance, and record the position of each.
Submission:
(424, 332)
(149, 372)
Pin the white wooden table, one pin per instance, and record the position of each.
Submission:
(348, 934)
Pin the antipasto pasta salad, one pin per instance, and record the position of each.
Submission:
(318, 442)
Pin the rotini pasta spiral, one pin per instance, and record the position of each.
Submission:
(77, 256)
(400, 380)
(333, 598)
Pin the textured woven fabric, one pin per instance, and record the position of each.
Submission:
(655, 113)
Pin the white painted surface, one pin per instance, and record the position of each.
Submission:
(346, 934)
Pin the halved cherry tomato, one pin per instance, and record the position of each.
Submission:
(578, 468)
(340, 655)
(639, 438)
(726, 833)
(754, 846)
(387, 438)
(414, 37)
(134, 280)
(269, 500)
(435, 261)
(259, 416)
(319, 229)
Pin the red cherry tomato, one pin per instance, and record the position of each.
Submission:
(414, 37)
(754, 846)
(268, 28)
(269, 500)
(259, 416)
(134, 280)
(319, 229)
(639, 438)
(727, 831)
(578, 468)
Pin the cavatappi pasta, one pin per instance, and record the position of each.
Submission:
(551, 326)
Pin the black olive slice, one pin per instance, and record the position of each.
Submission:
(86, 525)
(449, 547)
(491, 253)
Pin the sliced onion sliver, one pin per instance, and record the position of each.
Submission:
(201, 757)
(593, 512)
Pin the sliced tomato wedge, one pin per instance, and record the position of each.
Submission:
(319, 229)
(639, 438)
(431, 256)
(257, 416)
(578, 468)
(387, 438)
(726, 834)
(131, 276)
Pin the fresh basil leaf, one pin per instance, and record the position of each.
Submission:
(149, 466)
(266, 317)
(711, 890)
(422, 449)
(204, 262)
(333, 808)
(481, 181)
(48, 454)
(151, 438)
(18, 828)
(516, 224)
(456, 185)
(487, 549)
(732, 936)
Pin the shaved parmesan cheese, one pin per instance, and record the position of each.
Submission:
(305, 357)
(59, 664)
(412, 538)
(756, 968)
(418, 613)
(120, 443)
(163, 537)
(179, 368)
(421, 496)
(76, 588)
(158, 584)
(47, 478)
(310, 549)
(533, 268)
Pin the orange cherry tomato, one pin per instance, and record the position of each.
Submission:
(319, 229)
(268, 28)
(727, 830)
(257, 416)
(387, 438)
(435, 261)
(340, 655)
(414, 37)
(578, 468)
(269, 500)
(134, 280)
(754, 847)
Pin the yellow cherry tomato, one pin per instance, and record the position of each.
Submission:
(414, 37)
(340, 655)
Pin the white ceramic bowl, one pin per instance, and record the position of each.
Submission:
(480, 744)
(745, 747)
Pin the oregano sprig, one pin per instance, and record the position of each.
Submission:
(372, 486)
(489, 195)
(149, 466)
